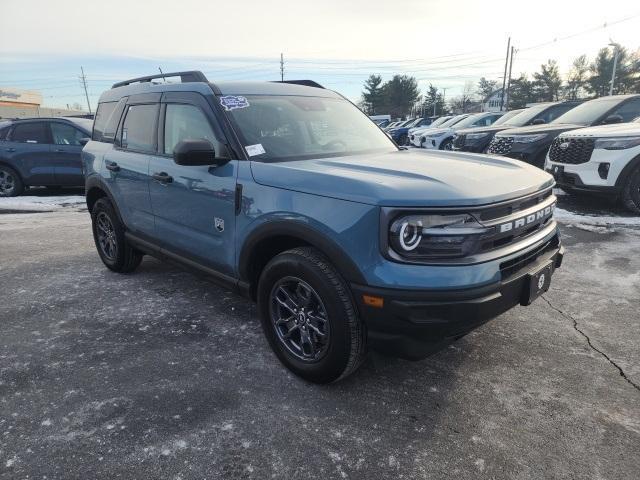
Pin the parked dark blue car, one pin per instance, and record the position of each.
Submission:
(41, 152)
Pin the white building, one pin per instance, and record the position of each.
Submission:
(492, 102)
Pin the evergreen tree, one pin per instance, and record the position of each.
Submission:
(547, 82)
(373, 95)
(401, 94)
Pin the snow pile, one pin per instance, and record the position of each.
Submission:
(591, 222)
(40, 204)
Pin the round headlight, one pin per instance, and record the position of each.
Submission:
(410, 235)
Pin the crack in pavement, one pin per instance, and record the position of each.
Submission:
(591, 345)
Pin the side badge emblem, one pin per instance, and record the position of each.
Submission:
(219, 224)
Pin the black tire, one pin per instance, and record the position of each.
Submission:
(10, 182)
(108, 234)
(342, 349)
(447, 144)
(402, 141)
(631, 192)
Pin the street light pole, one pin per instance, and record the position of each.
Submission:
(616, 50)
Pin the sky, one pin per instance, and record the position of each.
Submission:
(338, 43)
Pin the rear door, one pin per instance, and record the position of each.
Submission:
(193, 206)
(126, 166)
(28, 150)
(66, 149)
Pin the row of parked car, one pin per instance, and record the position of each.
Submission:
(589, 147)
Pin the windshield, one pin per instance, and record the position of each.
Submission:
(439, 121)
(470, 120)
(588, 112)
(453, 121)
(526, 115)
(507, 116)
(276, 128)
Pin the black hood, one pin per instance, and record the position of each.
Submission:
(546, 128)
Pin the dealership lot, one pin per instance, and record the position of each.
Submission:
(160, 374)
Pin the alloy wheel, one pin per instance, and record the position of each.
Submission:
(106, 236)
(7, 183)
(300, 319)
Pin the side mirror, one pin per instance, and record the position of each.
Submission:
(195, 152)
(84, 141)
(613, 119)
(538, 121)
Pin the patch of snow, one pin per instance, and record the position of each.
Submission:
(568, 217)
(41, 204)
(46, 423)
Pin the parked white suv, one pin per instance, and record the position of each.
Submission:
(418, 137)
(442, 138)
(603, 160)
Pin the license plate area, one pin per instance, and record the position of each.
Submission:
(537, 282)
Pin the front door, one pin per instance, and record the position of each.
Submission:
(193, 206)
(126, 166)
(65, 152)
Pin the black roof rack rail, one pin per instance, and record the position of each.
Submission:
(306, 83)
(185, 77)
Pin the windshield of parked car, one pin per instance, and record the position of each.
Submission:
(453, 121)
(439, 121)
(470, 120)
(588, 112)
(275, 128)
(503, 119)
(525, 116)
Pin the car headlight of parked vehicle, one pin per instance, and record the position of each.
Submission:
(619, 143)
(477, 136)
(529, 138)
(422, 237)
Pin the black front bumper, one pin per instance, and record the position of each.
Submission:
(414, 324)
(572, 181)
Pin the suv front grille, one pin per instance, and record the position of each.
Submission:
(510, 267)
(500, 145)
(458, 141)
(571, 150)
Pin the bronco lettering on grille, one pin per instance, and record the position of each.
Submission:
(529, 219)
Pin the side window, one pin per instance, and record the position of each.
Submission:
(64, 134)
(103, 113)
(138, 130)
(31, 132)
(550, 114)
(4, 132)
(185, 121)
(628, 110)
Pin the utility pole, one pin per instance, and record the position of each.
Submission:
(444, 94)
(504, 78)
(616, 51)
(281, 67)
(83, 78)
(509, 81)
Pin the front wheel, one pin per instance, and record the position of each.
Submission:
(631, 192)
(447, 144)
(108, 234)
(309, 318)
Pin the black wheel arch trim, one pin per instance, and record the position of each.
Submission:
(315, 238)
(95, 181)
(626, 171)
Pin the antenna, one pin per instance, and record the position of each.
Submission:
(83, 78)
(163, 77)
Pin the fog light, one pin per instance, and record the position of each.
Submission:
(603, 170)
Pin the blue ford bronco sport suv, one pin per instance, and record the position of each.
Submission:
(290, 195)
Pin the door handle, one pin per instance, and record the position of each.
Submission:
(59, 150)
(162, 177)
(112, 166)
(11, 149)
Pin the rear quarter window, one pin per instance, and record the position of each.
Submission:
(103, 113)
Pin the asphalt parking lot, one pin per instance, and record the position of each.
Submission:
(160, 374)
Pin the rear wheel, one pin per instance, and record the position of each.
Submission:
(108, 234)
(309, 318)
(631, 191)
(10, 182)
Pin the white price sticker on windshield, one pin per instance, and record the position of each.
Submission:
(253, 150)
